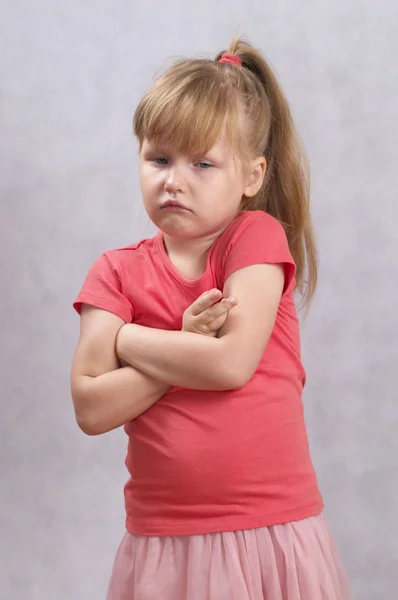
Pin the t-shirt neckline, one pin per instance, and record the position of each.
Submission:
(173, 269)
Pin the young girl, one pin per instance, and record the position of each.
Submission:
(222, 501)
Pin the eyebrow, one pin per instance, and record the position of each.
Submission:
(213, 155)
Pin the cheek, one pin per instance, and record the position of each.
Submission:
(149, 180)
(232, 188)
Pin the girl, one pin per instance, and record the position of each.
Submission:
(222, 501)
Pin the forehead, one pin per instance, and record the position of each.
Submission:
(221, 146)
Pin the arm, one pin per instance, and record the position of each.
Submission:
(105, 396)
(206, 363)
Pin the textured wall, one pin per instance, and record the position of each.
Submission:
(71, 75)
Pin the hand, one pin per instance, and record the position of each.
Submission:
(208, 313)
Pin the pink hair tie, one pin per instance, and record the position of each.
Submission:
(231, 59)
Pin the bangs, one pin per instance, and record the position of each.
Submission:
(188, 108)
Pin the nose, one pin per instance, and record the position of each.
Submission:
(173, 182)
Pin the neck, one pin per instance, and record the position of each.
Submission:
(191, 249)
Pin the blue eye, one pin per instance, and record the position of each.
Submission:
(204, 165)
(160, 160)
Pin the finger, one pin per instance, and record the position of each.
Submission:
(216, 324)
(219, 321)
(206, 300)
(217, 310)
(214, 312)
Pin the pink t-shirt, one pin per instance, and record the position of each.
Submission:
(204, 461)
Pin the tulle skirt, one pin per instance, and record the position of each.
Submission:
(293, 561)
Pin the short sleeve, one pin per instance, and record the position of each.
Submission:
(261, 240)
(102, 289)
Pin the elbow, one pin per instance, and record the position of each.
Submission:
(235, 377)
(86, 418)
(89, 419)
(238, 381)
(91, 424)
(236, 366)
(88, 426)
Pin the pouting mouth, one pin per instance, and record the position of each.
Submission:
(174, 204)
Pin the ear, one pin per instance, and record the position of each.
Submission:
(255, 177)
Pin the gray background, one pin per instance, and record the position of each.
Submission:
(71, 74)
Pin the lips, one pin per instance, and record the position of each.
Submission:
(174, 204)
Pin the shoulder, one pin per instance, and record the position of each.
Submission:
(252, 227)
(255, 230)
(125, 256)
(260, 228)
(249, 216)
(113, 268)
(254, 237)
(255, 218)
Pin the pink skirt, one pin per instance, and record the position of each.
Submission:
(293, 561)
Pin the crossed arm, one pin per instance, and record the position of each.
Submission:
(106, 397)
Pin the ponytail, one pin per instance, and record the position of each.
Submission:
(285, 193)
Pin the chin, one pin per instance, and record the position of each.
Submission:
(173, 226)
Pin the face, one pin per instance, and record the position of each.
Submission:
(194, 196)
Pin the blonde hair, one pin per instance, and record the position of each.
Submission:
(189, 105)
